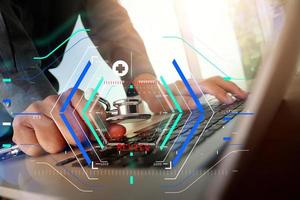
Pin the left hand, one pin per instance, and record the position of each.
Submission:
(215, 86)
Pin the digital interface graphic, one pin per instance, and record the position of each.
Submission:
(101, 103)
(167, 144)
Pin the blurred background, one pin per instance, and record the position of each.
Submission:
(207, 37)
(230, 33)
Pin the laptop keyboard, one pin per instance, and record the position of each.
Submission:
(112, 156)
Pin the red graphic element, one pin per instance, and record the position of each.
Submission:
(136, 83)
(134, 147)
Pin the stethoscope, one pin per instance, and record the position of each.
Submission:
(127, 110)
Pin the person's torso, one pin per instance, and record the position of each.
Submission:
(48, 23)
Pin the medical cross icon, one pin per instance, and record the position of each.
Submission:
(120, 67)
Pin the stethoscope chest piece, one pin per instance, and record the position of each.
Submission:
(127, 111)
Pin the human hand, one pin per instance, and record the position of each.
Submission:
(215, 86)
(48, 133)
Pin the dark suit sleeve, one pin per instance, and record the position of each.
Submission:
(28, 82)
(23, 91)
(115, 36)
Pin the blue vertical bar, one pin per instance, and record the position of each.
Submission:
(65, 120)
(187, 85)
(199, 120)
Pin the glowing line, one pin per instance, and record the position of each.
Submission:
(187, 141)
(42, 41)
(199, 120)
(170, 131)
(75, 116)
(55, 120)
(72, 35)
(96, 120)
(81, 190)
(27, 113)
(165, 98)
(171, 94)
(82, 75)
(196, 50)
(242, 113)
(174, 178)
(6, 145)
(131, 180)
(86, 108)
(227, 77)
(176, 192)
(6, 80)
(179, 134)
(64, 107)
(188, 86)
(166, 126)
(6, 123)
(48, 66)
(109, 91)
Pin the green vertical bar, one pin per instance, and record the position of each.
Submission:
(170, 132)
(85, 117)
(131, 180)
(171, 94)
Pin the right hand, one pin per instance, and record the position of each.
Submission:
(49, 133)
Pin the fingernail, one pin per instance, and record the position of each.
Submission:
(229, 99)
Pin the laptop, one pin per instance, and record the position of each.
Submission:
(193, 162)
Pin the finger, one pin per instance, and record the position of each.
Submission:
(185, 103)
(167, 104)
(150, 91)
(159, 100)
(156, 104)
(150, 94)
(24, 137)
(74, 120)
(47, 134)
(231, 88)
(89, 109)
(90, 112)
(46, 131)
(219, 93)
(179, 88)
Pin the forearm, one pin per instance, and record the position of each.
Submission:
(114, 34)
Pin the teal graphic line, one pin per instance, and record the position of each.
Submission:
(72, 35)
(226, 76)
(171, 94)
(85, 117)
(170, 131)
(109, 91)
(165, 126)
(43, 41)
(6, 145)
(6, 80)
